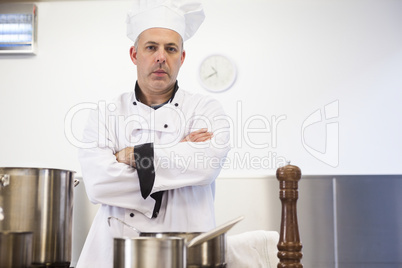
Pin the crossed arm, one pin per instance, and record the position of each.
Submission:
(126, 155)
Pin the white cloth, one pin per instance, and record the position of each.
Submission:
(254, 249)
(185, 171)
(183, 17)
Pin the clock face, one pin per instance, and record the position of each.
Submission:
(217, 73)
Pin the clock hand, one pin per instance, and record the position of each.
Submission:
(214, 73)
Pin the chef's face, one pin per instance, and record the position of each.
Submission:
(158, 55)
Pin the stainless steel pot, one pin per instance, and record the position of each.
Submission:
(15, 249)
(203, 249)
(40, 200)
(210, 253)
(149, 252)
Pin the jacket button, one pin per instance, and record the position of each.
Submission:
(176, 104)
(131, 215)
(135, 103)
(165, 126)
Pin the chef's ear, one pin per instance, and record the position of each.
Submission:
(183, 56)
(133, 55)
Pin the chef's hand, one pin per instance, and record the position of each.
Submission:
(126, 156)
(198, 136)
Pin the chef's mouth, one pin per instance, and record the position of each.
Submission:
(160, 72)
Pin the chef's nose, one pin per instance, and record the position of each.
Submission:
(161, 56)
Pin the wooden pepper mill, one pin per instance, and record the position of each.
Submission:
(289, 245)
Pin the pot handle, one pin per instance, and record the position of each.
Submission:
(217, 231)
(4, 180)
(123, 222)
(76, 182)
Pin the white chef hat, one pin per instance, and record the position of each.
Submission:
(183, 17)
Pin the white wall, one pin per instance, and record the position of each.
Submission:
(293, 58)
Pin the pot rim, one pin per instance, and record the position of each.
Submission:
(8, 232)
(148, 238)
(39, 168)
(169, 233)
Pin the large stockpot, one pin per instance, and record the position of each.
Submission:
(40, 200)
(149, 252)
(15, 249)
(210, 253)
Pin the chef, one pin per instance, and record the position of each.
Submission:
(158, 148)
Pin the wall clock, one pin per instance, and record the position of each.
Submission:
(217, 73)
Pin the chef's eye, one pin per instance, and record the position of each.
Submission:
(150, 48)
(172, 49)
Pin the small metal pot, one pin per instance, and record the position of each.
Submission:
(149, 252)
(210, 253)
(203, 249)
(16, 249)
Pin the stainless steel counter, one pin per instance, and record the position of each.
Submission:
(351, 221)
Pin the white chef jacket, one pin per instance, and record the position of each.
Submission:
(185, 171)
